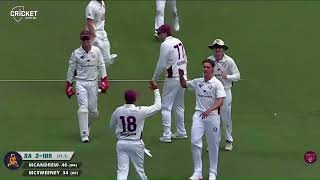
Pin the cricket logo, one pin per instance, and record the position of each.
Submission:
(310, 157)
(18, 13)
(13, 160)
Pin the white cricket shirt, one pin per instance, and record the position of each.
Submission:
(86, 64)
(96, 12)
(127, 121)
(172, 55)
(226, 64)
(206, 93)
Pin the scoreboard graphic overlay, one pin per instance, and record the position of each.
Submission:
(43, 163)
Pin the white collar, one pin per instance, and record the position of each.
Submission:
(129, 105)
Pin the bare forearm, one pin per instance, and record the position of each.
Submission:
(183, 82)
(90, 25)
(217, 104)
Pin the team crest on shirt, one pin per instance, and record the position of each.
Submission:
(210, 86)
(92, 55)
(223, 64)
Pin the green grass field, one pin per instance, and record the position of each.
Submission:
(275, 45)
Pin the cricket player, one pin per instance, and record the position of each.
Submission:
(84, 65)
(172, 57)
(127, 122)
(206, 120)
(95, 14)
(159, 19)
(227, 72)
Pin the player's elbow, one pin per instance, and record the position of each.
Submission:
(237, 77)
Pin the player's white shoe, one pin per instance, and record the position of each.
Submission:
(147, 152)
(196, 176)
(212, 176)
(228, 146)
(165, 139)
(179, 136)
(176, 26)
(85, 139)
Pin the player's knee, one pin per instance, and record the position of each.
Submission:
(165, 113)
(165, 108)
(196, 143)
(83, 109)
(94, 115)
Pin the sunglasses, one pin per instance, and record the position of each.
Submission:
(85, 38)
(216, 46)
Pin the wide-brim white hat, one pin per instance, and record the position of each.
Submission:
(217, 43)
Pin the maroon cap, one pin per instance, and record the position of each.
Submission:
(85, 33)
(130, 96)
(164, 29)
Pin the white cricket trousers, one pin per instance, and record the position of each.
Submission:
(129, 150)
(160, 6)
(225, 113)
(102, 42)
(209, 126)
(172, 99)
(87, 96)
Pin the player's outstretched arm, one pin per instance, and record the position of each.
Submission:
(150, 110)
(153, 85)
(183, 82)
(90, 26)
